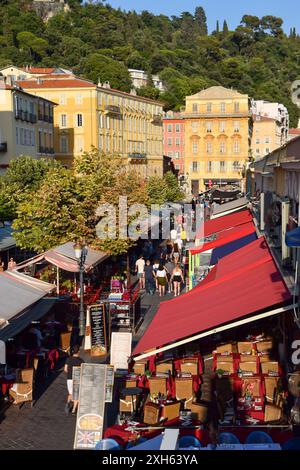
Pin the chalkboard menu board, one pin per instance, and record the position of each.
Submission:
(90, 416)
(98, 329)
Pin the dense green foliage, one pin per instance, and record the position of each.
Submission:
(100, 42)
(51, 205)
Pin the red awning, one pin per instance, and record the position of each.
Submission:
(226, 236)
(249, 282)
(224, 223)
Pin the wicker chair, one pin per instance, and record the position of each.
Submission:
(23, 388)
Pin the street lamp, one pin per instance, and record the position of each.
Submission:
(81, 252)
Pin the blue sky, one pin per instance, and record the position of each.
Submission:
(231, 10)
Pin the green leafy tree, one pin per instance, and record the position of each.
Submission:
(97, 66)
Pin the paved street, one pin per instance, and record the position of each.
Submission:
(43, 427)
(46, 426)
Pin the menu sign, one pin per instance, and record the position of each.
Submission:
(90, 416)
(120, 350)
(98, 329)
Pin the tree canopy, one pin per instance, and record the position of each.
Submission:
(51, 204)
(100, 42)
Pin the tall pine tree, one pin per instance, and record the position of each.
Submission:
(201, 21)
(218, 27)
(225, 27)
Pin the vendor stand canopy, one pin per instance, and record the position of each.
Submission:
(20, 294)
(230, 207)
(63, 257)
(239, 289)
(224, 223)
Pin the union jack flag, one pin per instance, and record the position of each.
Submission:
(88, 439)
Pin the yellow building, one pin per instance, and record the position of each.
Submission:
(26, 125)
(267, 135)
(89, 116)
(217, 138)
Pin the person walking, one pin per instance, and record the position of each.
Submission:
(72, 361)
(176, 253)
(162, 280)
(139, 269)
(169, 250)
(169, 266)
(177, 278)
(149, 278)
(155, 269)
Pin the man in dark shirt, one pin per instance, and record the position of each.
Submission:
(72, 361)
(149, 278)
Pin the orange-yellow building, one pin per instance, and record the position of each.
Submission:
(90, 115)
(218, 129)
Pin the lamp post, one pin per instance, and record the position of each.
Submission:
(81, 252)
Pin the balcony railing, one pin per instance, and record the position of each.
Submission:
(137, 156)
(3, 147)
(111, 109)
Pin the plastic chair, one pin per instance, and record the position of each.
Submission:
(228, 438)
(259, 437)
(189, 441)
(107, 444)
(292, 444)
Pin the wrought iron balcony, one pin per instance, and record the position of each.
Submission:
(112, 109)
(137, 156)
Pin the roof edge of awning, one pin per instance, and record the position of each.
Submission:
(218, 329)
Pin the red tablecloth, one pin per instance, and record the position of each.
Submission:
(6, 384)
(123, 437)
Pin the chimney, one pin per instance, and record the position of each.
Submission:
(106, 84)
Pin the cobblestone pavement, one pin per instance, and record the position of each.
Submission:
(45, 426)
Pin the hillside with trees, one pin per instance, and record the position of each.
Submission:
(99, 42)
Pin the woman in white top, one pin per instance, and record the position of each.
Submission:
(162, 280)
